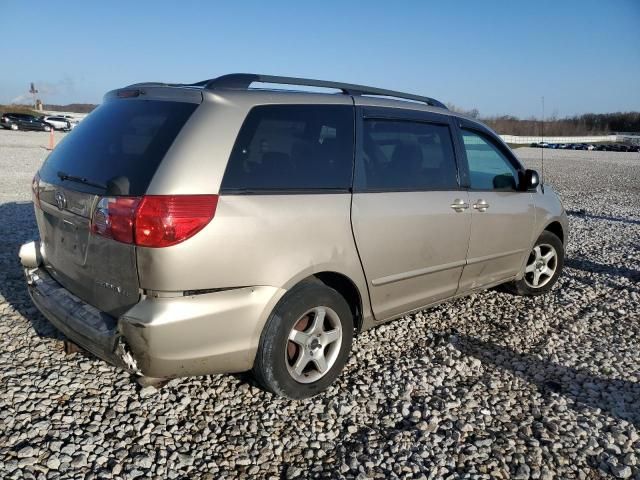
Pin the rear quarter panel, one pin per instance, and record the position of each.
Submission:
(254, 240)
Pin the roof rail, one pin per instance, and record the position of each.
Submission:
(242, 81)
(164, 84)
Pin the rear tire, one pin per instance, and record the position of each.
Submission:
(305, 343)
(542, 269)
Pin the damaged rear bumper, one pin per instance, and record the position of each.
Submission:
(164, 337)
(93, 330)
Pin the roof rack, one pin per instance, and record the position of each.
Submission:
(242, 81)
(165, 84)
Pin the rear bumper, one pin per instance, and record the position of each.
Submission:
(216, 332)
(81, 323)
(164, 337)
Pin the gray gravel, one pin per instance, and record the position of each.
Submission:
(488, 386)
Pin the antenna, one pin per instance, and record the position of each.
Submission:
(542, 149)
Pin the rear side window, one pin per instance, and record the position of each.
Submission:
(402, 155)
(122, 141)
(292, 147)
(489, 169)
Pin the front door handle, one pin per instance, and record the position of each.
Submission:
(459, 205)
(481, 205)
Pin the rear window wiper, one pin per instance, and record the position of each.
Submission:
(73, 178)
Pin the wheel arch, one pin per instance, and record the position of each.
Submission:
(349, 291)
(555, 227)
(341, 283)
(348, 280)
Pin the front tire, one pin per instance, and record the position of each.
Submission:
(305, 343)
(14, 127)
(542, 269)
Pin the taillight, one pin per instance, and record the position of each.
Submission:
(114, 218)
(164, 220)
(153, 220)
(35, 189)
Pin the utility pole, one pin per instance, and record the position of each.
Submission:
(33, 92)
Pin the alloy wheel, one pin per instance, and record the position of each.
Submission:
(541, 265)
(313, 344)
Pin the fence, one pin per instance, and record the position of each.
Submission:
(537, 139)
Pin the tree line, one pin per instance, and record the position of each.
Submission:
(72, 107)
(577, 125)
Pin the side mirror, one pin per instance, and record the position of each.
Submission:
(529, 180)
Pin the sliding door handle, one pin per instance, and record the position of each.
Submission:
(459, 205)
(481, 205)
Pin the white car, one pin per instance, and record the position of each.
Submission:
(72, 121)
(57, 122)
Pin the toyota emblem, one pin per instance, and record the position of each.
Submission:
(61, 201)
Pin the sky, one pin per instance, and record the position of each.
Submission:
(500, 57)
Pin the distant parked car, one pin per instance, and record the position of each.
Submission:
(73, 121)
(57, 122)
(591, 147)
(563, 146)
(534, 145)
(543, 145)
(628, 148)
(23, 121)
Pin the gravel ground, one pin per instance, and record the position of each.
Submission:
(492, 386)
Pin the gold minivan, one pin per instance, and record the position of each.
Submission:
(214, 228)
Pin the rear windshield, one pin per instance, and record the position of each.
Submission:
(121, 142)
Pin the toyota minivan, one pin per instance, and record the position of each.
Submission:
(215, 227)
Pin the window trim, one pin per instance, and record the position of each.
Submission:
(289, 191)
(365, 113)
(482, 131)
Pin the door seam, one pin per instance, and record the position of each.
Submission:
(356, 120)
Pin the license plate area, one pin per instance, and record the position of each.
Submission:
(66, 238)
